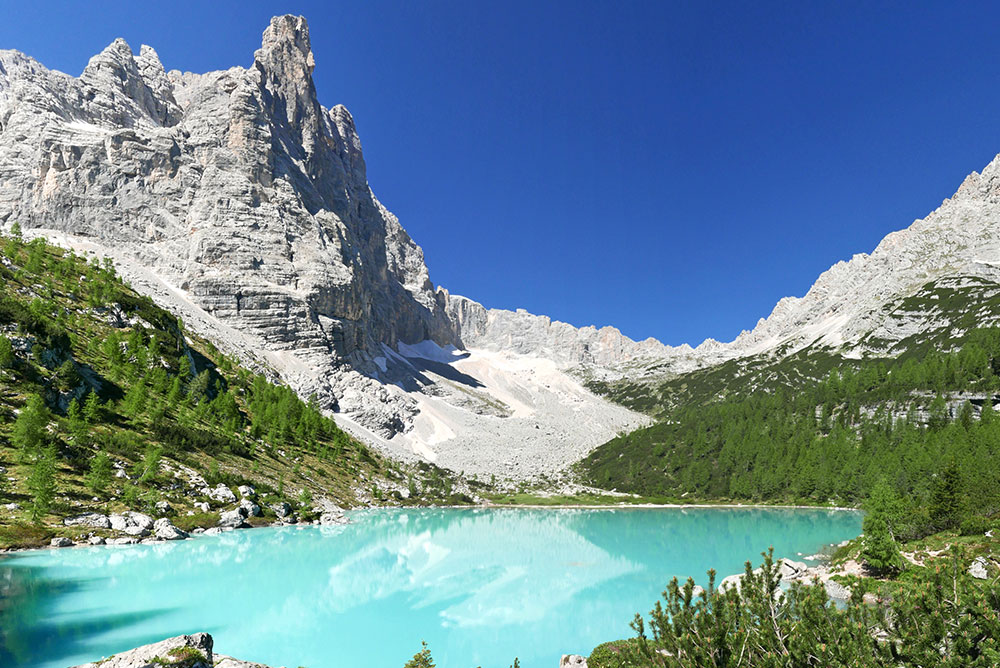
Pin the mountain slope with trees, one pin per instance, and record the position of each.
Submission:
(106, 403)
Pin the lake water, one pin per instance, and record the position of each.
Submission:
(480, 586)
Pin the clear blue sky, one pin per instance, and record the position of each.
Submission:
(671, 169)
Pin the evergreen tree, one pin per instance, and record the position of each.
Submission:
(99, 476)
(149, 467)
(28, 433)
(7, 358)
(948, 502)
(41, 483)
(67, 376)
(92, 408)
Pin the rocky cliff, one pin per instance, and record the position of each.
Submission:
(237, 200)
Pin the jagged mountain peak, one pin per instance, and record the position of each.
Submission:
(236, 199)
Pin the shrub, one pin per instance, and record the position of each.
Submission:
(975, 526)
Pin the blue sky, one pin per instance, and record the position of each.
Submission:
(671, 169)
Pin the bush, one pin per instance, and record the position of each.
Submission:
(975, 526)
(944, 619)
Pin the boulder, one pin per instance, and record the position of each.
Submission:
(162, 653)
(978, 569)
(281, 509)
(251, 508)
(95, 520)
(61, 541)
(246, 491)
(202, 506)
(95, 540)
(164, 528)
(731, 581)
(162, 507)
(222, 494)
(572, 661)
(212, 531)
(124, 540)
(790, 570)
(233, 518)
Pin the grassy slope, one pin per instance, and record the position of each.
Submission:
(944, 312)
(67, 310)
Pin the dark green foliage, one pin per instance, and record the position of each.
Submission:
(946, 620)
(41, 482)
(7, 358)
(98, 478)
(884, 518)
(827, 440)
(975, 526)
(948, 502)
(28, 433)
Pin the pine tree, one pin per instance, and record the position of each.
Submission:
(41, 483)
(7, 358)
(99, 476)
(92, 408)
(28, 433)
(948, 500)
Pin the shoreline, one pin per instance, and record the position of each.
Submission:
(484, 506)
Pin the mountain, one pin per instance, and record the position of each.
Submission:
(240, 203)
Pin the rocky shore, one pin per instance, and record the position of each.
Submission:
(193, 651)
(132, 527)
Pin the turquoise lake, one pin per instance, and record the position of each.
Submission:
(480, 586)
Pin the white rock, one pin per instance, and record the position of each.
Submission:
(164, 528)
(246, 491)
(978, 569)
(95, 520)
(61, 541)
(251, 508)
(96, 540)
(222, 494)
(144, 656)
(572, 661)
(232, 518)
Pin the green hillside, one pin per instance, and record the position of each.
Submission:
(106, 403)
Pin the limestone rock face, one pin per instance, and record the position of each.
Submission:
(238, 201)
